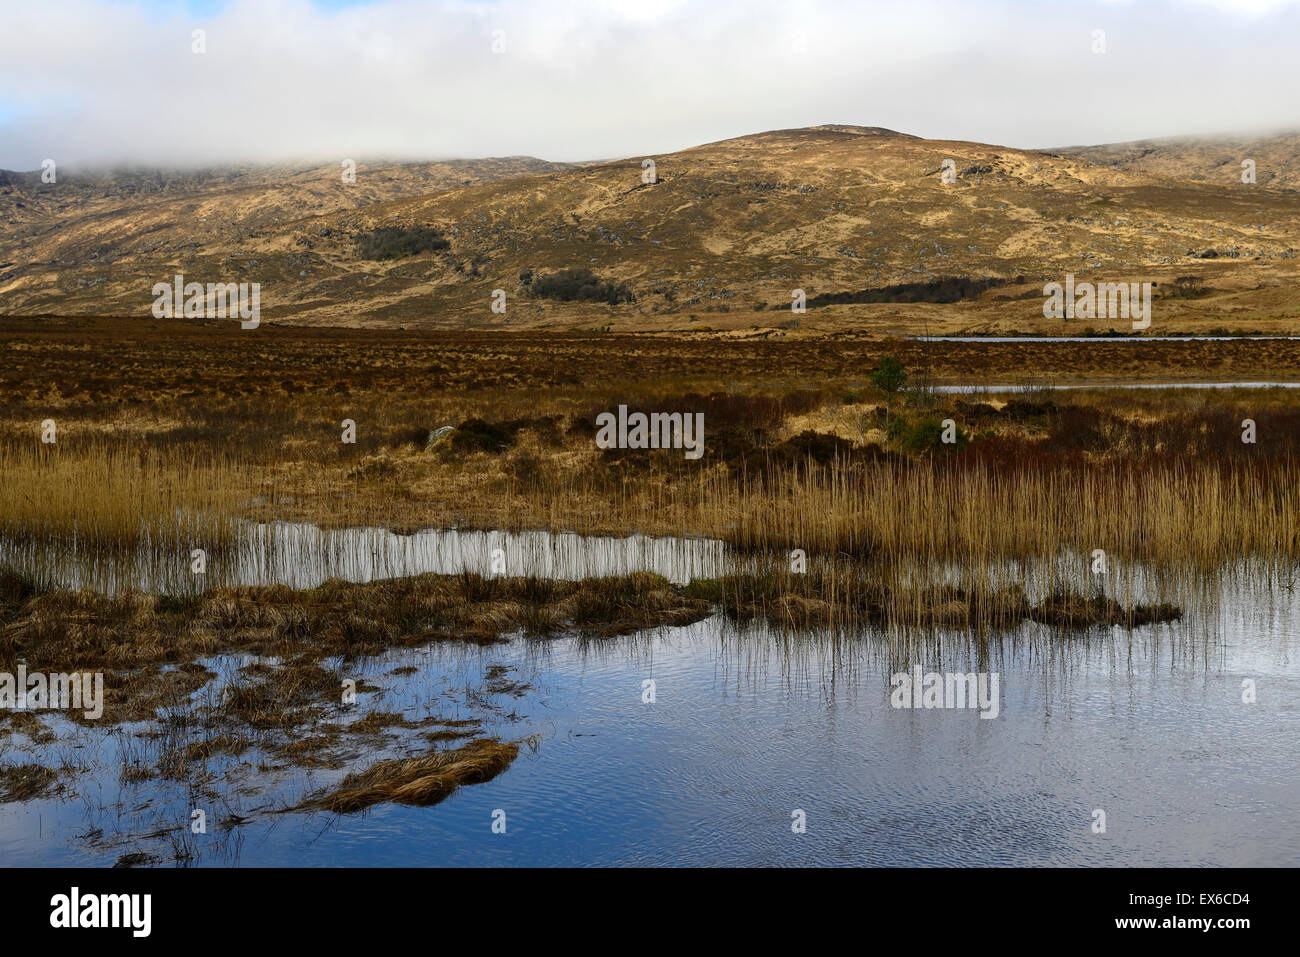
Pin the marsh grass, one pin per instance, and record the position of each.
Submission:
(99, 501)
(419, 781)
(1200, 514)
(856, 594)
(22, 782)
(1150, 478)
(911, 535)
(284, 698)
(150, 647)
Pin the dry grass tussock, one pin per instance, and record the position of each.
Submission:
(420, 781)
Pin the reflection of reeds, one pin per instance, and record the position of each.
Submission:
(105, 507)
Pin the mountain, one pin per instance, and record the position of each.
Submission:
(720, 239)
(1214, 159)
(84, 242)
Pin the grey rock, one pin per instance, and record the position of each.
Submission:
(436, 436)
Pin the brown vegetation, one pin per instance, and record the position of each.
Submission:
(799, 449)
(132, 634)
(22, 782)
(420, 781)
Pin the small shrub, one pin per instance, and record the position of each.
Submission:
(475, 435)
(924, 436)
(569, 285)
(395, 242)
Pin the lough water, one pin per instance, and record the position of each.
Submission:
(1066, 386)
(1187, 339)
(749, 726)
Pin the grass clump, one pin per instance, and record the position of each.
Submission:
(133, 636)
(853, 593)
(22, 782)
(418, 781)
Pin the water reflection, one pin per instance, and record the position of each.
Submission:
(1106, 339)
(1102, 386)
(302, 555)
(749, 723)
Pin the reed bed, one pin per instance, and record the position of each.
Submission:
(136, 630)
(1189, 514)
(855, 594)
(926, 544)
(117, 497)
(909, 522)
(1026, 504)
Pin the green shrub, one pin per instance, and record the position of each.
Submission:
(395, 242)
(924, 435)
(582, 285)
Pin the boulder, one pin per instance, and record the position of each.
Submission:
(436, 436)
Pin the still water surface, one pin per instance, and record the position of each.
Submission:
(302, 555)
(749, 726)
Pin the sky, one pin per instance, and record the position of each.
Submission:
(107, 82)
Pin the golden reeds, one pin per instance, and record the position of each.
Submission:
(1198, 514)
(103, 496)
(420, 781)
(95, 498)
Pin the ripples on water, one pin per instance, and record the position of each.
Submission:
(750, 724)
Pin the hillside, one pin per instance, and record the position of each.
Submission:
(719, 241)
(1215, 159)
(82, 243)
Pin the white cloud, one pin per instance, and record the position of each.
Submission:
(91, 80)
(1251, 7)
